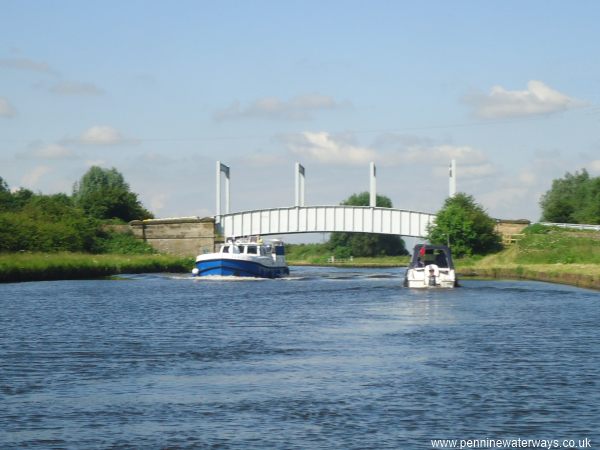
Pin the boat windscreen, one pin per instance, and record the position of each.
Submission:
(425, 256)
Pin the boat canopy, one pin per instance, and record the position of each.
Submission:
(426, 254)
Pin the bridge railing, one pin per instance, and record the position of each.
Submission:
(323, 219)
(573, 226)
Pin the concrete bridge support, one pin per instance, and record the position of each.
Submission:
(185, 236)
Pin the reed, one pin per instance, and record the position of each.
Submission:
(59, 266)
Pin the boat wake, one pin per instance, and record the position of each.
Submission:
(210, 278)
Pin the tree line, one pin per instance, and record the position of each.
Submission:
(465, 226)
(35, 222)
(49, 223)
(575, 198)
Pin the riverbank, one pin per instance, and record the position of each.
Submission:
(549, 254)
(543, 254)
(380, 261)
(580, 275)
(16, 267)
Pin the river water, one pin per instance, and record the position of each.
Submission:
(327, 359)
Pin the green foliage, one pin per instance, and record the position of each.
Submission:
(572, 199)
(121, 243)
(363, 244)
(104, 194)
(46, 223)
(60, 266)
(5, 196)
(557, 246)
(536, 228)
(307, 253)
(13, 201)
(466, 227)
(364, 198)
(54, 223)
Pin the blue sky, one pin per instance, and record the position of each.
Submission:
(161, 90)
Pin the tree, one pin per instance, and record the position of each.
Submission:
(13, 201)
(363, 244)
(465, 227)
(46, 223)
(104, 194)
(572, 199)
(5, 196)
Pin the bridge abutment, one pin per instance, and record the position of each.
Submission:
(186, 236)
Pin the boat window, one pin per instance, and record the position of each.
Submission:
(225, 249)
(440, 259)
(252, 250)
(240, 249)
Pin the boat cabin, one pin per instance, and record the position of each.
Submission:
(253, 247)
(425, 255)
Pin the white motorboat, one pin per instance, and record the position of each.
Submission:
(431, 266)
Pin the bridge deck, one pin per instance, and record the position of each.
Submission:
(322, 219)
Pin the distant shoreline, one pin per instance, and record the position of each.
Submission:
(578, 275)
(21, 267)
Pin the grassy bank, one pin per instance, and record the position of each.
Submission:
(544, 254)
(319, 255)
(378, 261)
(60, 266)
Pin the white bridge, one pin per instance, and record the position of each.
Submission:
(325, 219)
(321, 219)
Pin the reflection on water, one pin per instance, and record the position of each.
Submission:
(328, 358)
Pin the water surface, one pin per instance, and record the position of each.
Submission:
(328, 359)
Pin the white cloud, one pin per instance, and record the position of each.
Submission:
(537, 99)
(445, 153)
(32, 178)
(103, 135)
(6, 109)
(262, 159)
(26, 64)
(39, 150)
(528, 177)
(75, 88)
(324, 148)
(466, 170)
(297, 108)
(158, 202)
(95, 162)
(53, 151)
(595, 166)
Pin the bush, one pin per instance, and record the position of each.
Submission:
(365, 244)
(121, 243)
(104, 194)
(465, 226)
(572, 199)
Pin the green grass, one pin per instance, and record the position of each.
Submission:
(546, 254)
(319, 254)
(59, 266)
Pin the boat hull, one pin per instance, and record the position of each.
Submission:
(416, 278)
(239, 268)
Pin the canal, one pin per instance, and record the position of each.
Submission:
(327, 359)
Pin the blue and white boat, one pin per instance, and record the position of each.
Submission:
(244, 258)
